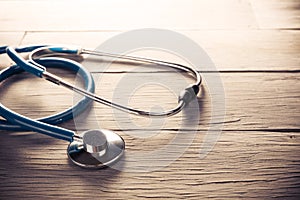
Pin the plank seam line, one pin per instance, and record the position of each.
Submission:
(177, 29)
(280, 130)
(221, 71)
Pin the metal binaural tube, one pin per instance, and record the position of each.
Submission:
(184, 98)
(148, 60)
(53, 50)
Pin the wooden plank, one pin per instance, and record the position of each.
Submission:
(229, 50)
(254, 101)
(124, 15)
(256, 155)
(242, 165)
(276, 14)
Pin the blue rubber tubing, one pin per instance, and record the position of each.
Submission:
(45, 124)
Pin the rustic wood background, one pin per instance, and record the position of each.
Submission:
(255, 45)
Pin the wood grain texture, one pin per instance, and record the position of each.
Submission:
(254, 45)
(253, 165)
(244, 163)
(125, 15)
(276, 14)
(230, 50)
(270, 103)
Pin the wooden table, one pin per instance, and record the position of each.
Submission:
(255, 47)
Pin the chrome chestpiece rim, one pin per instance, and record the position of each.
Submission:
(96, 149)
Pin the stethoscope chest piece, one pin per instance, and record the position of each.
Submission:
(96, 149)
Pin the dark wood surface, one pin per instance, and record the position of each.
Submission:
(255, 47)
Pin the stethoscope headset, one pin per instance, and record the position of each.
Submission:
(92, 148)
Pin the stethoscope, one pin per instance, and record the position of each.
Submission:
(92, 148)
